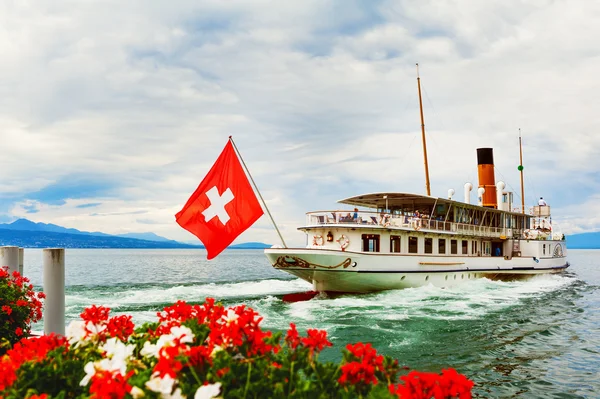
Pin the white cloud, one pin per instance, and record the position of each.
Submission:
(138, 100)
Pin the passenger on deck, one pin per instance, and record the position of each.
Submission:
(355, 216)
(541, 202)
(384, 219)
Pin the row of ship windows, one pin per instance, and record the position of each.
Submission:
(371, 243)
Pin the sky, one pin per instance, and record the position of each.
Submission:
(112, 112)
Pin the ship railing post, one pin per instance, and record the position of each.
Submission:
(54, 288)
(9, 256)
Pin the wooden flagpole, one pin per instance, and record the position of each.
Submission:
(257, 191)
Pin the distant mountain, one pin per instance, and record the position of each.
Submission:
(250, 245)
(145, 236)
(48, 239)
(25, 233)
(584, 241)
(28, 225)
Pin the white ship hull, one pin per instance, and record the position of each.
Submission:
(358, 272)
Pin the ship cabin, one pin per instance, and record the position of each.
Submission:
(407, 224)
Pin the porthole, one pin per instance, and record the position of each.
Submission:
(462, 276)
(426, 278)
(403, 277)
(455, 276)
(469, 275)
(446, 278)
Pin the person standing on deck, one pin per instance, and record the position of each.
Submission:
(541, 202)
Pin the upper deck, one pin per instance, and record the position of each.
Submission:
(418, 212)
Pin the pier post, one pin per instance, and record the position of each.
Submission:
(9, 256)
(54, 288)
(21, 259)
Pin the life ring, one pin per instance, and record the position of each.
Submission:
(318, 240)
(343, 241)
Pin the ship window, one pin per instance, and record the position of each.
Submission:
(370, 242)
(474, 248)
(442, 246)
(465, 247)
(413, 245)
(395, 244)
(544, 249)
(453, 247)
(428, 245)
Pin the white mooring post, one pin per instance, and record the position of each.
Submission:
(9, 256)
(54, 288)
(21, 258)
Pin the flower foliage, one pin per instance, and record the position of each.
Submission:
(205, 351)
(20, 306)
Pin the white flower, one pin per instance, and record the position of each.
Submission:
(136, 393)
(183, 333)
(149, 349)
(153, 349)
(95, 329)
(90, 371)
(113, 364)
(114, 348)
(209, 391)
(176, 395)
(161, 385)
(231, 316)
(75, 332)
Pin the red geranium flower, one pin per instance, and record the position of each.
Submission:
(95, 314)
(292, 338)
(316, 340)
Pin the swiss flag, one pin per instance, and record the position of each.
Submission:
(223, 206)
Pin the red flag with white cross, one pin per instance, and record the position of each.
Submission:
(223, 206)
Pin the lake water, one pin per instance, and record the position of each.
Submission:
(529, 339)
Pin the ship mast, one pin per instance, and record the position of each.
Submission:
(521, 170)
(423, 134)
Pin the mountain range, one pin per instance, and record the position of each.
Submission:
(28, 234)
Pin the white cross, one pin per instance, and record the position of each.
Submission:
(217, 205)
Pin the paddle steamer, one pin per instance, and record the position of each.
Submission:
(399, 240)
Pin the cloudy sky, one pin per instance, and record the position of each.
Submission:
(111, 112)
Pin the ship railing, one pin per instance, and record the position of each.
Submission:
(539, 211)
(405, 221)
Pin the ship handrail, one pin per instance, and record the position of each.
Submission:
(389, 220)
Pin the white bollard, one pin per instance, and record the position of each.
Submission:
(21, 258)
(54, 288)
(9, 256)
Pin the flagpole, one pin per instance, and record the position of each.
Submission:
(257, 191)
